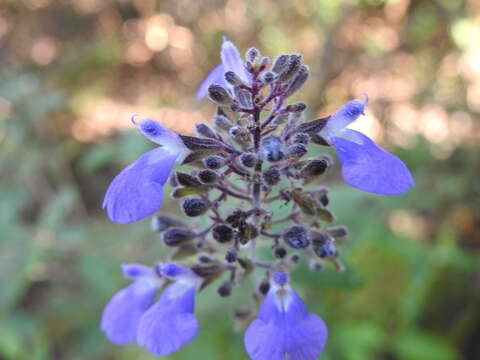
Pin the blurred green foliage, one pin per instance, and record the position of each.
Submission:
(411, 288)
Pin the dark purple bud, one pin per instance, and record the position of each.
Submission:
(271, 176)
(297, 107)
(296, 151)
(195, 207)
(236, 218)
(199, 144)
(206, 259)
(315, 168)
(240, 134)
(233, 79)
(300, 78)
(264, 287)
(222, 122)
(177, 236)
(319, 140)
(312, 127)
(207, 176)
(316, 266)
(222, 233)
(248, 159)
(272, 149)
(203, 129)
(327, 249)
(244, 97)
(338, 232)
(301, 138)
(268, 77)
(214, 162)
(231, 255)
(280, 64)
(296, 236)
(279, 252)
(187, 180)
(294, 258)
(219, 95)
(252, 54)
(294, 63)
(264, 61)
(225, 289)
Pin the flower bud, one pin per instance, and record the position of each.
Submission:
(177, 236)
(279, 252)
(272, 149)
(200, 144)
(280, 63)
(268, 77)
(222, 122)
(240, 134)
(271, 176)
(203, 129)
(316, 265)
(327, 249)
(297, 107)
(187, 180)
(315, 168)
(225, 289)
(294, 258)
(214, 162)
(338, 232)
(233, 79)
(248, 159)
(301, 138)
(264, 287)
(264, 61)
(294, 62)
(244, 97)
(206, 259)
(195, 207)
(219, 95)
(207, 176)
(231, 255)
(163, 222)
(299, 79)
(296, 151)
(296, 236)
(222, 233)
(252, 54)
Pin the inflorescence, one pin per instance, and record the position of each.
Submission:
(249, 165)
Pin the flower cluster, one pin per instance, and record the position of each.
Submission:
(252, 159)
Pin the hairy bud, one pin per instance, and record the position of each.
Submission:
(231, 255)
(338, 232)
(296, 151)
(264, 287)
(252, 54)
(177, 236)
(233, 79)
(225, 289)
(301, 138)
(195, 207)
(280, 64)
(214, 162)
(294, 62)
(248, 159)
(219, 95)
(279, 252)
(271, 176)
(188, 180)
(203, 129)
(207, 176)
(268, 77)
(244, 97)
(315, 168)
(222, 233)
(272, 149)
(296, 236)
(300, 78)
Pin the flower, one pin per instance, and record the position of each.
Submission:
(231, 61)
(169, 324)
(365, 165)
(137, 191)
(122, 314)
(284, 326)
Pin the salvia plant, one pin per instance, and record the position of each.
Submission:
(252, 160)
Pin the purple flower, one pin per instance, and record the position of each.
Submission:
(122, 314)
(170, 323)
(231, 61)
(365, 165)
(284, 326)
(137, 191)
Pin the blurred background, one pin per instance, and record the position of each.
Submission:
(72, 73)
